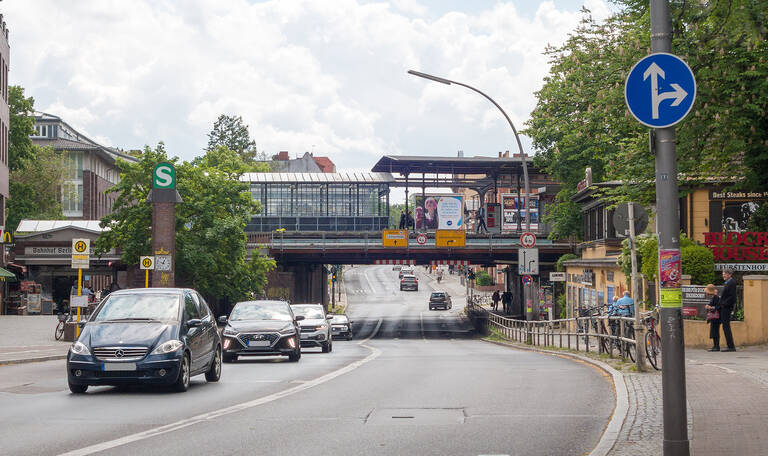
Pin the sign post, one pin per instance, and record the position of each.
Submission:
(164, 198)
(147, 263)
(660, 91)
(81, 259)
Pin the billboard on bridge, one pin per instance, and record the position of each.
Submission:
(438, 211)
(510, 204)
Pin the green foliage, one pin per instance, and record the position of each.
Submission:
(559, 266)
(394, 214)
(230, 131)
(483, 278)
(562, 306)
(581, 119)
(34, 186)
(230, 162)
(21, 126)
(699, 262)
(211, 251)
(759, 220)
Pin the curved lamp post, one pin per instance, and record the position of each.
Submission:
(514, 130)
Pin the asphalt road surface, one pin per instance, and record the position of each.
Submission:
(412, 382)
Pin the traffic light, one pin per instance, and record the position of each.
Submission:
(333, 277)
(471, 275)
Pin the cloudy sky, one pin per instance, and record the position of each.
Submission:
(327, 76)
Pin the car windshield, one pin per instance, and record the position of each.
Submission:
(139, 306)
(308, 312)
(340, 319)
(261, 311)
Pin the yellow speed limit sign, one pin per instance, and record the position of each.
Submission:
(147, 262)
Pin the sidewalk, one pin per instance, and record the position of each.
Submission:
(30, 338)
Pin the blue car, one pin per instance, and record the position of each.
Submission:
(146, 335)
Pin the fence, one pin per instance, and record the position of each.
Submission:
(599, 333)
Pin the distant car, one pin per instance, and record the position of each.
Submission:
(405, 270)
(146, 335)
(341, 327)
(315, 327)
(439, 299)
(396, 267)
(409, 282)
(261, 328)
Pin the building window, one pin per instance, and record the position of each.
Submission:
(72, 185)
(41, 131)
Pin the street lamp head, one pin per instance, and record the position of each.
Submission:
(430, 77)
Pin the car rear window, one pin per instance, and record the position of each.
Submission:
(438, 295)
(409, 278)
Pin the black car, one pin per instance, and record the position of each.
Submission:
(146, 335)
(266, 328)
(341, 327)
(440, 299)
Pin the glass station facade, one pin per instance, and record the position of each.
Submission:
(320, 201)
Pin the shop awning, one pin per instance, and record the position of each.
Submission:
(7, 275)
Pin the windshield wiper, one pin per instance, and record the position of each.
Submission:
(134, 319)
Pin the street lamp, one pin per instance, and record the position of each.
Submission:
(514, 130)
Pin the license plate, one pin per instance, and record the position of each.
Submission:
(258, 343)
(118, 367)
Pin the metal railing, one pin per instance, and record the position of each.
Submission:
(595, 333)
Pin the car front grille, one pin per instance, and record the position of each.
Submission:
(246, 337)
(305, 329)
(120, 353)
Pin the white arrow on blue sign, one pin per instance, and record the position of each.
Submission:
(660, 90)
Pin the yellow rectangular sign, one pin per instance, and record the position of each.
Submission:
(671, 297)
(394, 238)
(450, 238)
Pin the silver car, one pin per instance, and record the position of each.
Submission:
(316, 327)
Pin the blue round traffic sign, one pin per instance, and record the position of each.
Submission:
(660, 90)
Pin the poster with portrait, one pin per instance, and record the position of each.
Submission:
(438, 212)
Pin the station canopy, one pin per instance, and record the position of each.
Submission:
(405, 164)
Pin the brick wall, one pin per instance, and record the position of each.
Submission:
(96, 204)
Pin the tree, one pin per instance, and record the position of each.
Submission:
(581, 119)
(696, 260)
(211, 253)
(230, 131)
(35, 172)
(228, 161)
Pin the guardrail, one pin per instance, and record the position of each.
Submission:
(599, 333)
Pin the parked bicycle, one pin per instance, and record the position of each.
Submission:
(63, 318)
(652, 341)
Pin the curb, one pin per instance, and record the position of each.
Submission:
(32, 360)
(621, 404)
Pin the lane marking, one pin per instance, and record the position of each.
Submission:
(375, 352)
(421, 318)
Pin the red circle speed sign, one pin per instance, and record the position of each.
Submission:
(527, 280)
(528, 240)
(421, 239)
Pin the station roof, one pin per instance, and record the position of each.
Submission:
(318, 178)
(39, 226)
(406, 164)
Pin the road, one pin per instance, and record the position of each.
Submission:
(412, 382)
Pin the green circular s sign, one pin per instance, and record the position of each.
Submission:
(164, 176)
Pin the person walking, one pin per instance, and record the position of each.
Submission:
(480, 216)
(713, 316)
(727, 303)
(403, 219)
(496, 298)
(506, 301)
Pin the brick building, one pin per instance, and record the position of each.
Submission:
(4, 122)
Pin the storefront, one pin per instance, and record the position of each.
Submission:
(43, 249)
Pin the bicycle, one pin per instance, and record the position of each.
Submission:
(652, 342)
(63, 318)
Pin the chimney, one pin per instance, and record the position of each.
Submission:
(283, 155)
(506, 154)
(499, 154)
(461, 154)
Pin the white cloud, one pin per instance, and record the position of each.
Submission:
(300, 72)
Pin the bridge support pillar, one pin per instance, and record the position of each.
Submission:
(299, 283)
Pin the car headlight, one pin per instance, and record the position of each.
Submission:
(168, 347)
(79, 348)
(287, 332)
(229, 332)
(320, 327)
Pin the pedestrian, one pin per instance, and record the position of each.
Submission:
(409, 220)
(480, 216)
(403, 219)
(713, 316)
(506, 301)
(439, 275)
(625, 305)
(727, 303)
(496, 298)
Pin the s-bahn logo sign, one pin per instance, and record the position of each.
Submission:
(164, 176)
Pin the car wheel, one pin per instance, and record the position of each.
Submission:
(78, 389)
(294, 357)
(349, 337)
(182, 382)
(229, 358)
(330, 345)
(214, 373)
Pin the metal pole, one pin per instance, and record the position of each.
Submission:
(639, 328)
(668, 225)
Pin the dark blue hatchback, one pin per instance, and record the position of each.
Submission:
(146, 335)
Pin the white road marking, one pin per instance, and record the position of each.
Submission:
(421, 319)
(375, 352)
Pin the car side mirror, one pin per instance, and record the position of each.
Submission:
(81, 323)
(223, 319)
(194, 323)
(329, 317)
(299, 317)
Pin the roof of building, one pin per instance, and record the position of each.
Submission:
(39, 226)
(452, 165)
(320, 178)
(325, 164)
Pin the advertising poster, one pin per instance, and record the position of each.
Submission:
(438, 212)
(492, 218)
(510, 204)
(669, 268)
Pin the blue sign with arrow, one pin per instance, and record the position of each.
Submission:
(660, 90)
